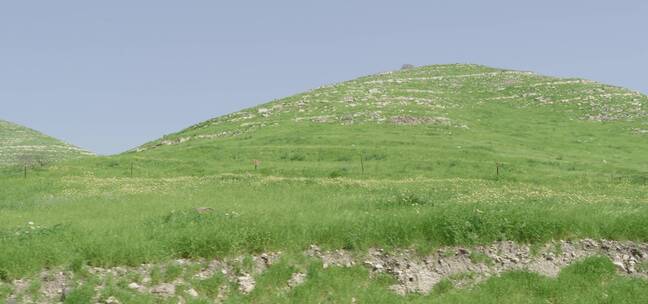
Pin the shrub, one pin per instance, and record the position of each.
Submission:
(4, 275)
(407, 66)
(338, 173)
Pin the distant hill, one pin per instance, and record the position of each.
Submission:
(431, 95)
(440, 120)
(20, 145)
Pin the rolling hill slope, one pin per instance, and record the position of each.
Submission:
(20, 145)
(433, 95)
(444, 120)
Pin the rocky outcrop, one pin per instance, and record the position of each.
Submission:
(415, 272)
(469, 265)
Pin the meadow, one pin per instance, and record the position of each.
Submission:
(526, 170)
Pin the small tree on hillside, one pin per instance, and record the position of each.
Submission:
(407, 66)
(30, 159)
(27, 159)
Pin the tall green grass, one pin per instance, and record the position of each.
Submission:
(132, 221)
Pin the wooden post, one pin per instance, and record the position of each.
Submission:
(362, 162)
(497, 168)
(25, 171)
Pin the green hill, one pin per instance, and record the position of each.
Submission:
(20, 145)
(447, 120)
(446, 184)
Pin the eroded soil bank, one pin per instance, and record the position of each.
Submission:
(215, 280)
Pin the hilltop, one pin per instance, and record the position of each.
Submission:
(431, 95)
(442, 120)
(20, 145)
(427, 96)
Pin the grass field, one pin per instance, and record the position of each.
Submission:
(423, 158)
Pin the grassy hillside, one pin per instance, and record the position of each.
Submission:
(20, 145)
(451, 155)
(436, 121)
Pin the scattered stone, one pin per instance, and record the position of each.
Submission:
(640, 131)
(182, 262)
(164, 290)
(203, 210)
(413, 120)
(246, 283)
(618, 262)
(265, 260)
(297, 279)
(134, 286)
(340, 258)
(212, 268)
(112, 300)
(192, 293)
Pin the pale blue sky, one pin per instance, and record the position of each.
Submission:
(110, 75)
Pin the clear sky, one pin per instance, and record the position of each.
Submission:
(110, 75)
